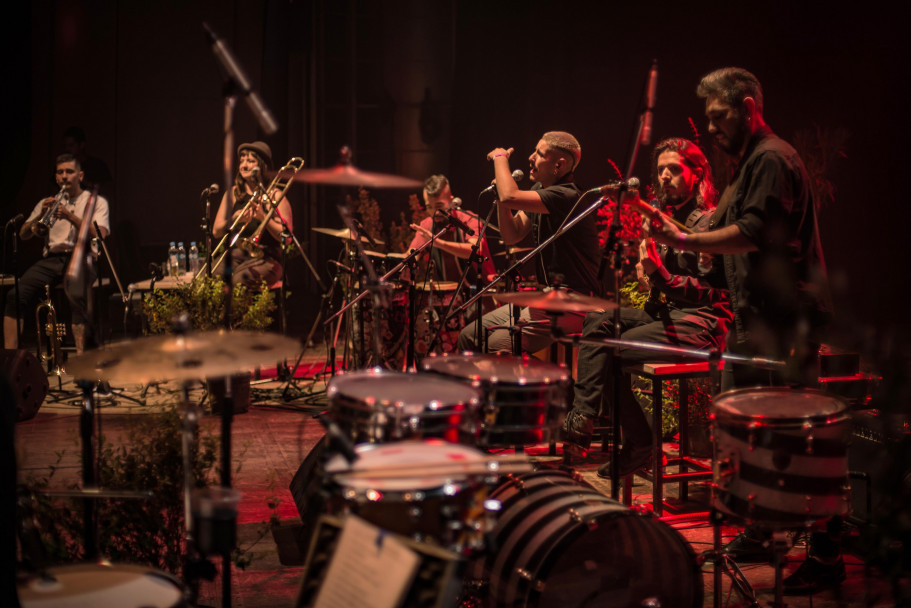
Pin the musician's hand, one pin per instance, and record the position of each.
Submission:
(421, 230)
(642, 277)
(496, 152)
(663, 230)
(47, 202)
(651, 261)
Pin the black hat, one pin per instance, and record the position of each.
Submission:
(261, 148)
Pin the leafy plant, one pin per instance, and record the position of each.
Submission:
(203, 299)
(145, 531)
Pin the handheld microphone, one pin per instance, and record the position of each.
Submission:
(650, 104)
(614, 187)
(456, 222)
(517, 175)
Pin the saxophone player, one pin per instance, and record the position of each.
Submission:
(57, 219)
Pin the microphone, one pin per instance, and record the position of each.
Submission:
(211, 190)
(18, 220)
(614, 187)
(456, 222)
(363, 231)
(236, 75)
(517, 175)
(342, 267)
(649, 104)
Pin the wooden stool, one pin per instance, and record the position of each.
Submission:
(688, 468)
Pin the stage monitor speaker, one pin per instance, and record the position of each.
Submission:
(27, 379)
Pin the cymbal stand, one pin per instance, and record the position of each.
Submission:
(474, 257)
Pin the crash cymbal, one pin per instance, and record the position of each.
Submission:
(349, 175)
(344, 233)
(190, 356)
(556, 300)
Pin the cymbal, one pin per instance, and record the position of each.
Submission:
(556, 300)
(344, 233)
(190, 356)
(513, 250)
(349, 175)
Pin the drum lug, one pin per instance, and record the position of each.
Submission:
(536, 584)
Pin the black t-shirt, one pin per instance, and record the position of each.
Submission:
(271, 247)
(575, 254)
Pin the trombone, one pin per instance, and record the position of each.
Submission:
(282, 182)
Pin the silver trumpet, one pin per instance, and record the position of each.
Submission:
(44, 224)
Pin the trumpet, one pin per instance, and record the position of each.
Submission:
(282, 182)
(50, 335)
(43, 225)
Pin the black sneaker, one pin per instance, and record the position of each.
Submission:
(631, 460)
(814, 575)
(748, 550)
(578, 429)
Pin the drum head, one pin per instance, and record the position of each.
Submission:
(779, 404)
(101, 586)
(410, 393)
(427, 462)
(497, 369)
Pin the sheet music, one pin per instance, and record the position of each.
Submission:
(369, 569)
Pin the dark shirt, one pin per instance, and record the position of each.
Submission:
(782, 284)
(575, 254)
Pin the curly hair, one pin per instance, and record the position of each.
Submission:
(692, 155)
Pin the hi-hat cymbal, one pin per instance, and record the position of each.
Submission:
(349, 175)
(344, 233)
(556, 300)
(189, 356)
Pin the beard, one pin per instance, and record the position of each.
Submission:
(735, 144)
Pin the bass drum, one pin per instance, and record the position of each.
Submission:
(560, 543)
(101, 586)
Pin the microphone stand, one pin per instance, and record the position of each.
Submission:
(14, 267)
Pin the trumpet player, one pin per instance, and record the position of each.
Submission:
(249, 269)
(57, 219)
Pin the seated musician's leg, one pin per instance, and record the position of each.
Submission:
(83, 335)
(498, 340)
(253, 271)
(48, 271)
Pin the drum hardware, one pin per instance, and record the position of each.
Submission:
(50, 336)
(345, 235)
(42, 226)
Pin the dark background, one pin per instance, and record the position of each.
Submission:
(417, 87)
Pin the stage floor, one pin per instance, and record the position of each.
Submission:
(272, 439)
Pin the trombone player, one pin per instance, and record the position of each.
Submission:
(248, 215)
(57, 220)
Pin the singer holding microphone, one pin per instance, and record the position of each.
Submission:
(247, 269)
(571, 260)
(57, 219)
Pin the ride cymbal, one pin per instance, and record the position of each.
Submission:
(557, 300)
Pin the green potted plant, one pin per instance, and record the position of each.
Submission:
(203, 300)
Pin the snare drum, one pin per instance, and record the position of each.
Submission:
(523, 396)
(781, 455)
(377, 405)
(562, 543)
(427, 490)
(101, 586)
(429, 309)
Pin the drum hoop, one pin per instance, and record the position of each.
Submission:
(719, 400)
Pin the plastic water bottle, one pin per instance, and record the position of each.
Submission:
(193, 257)
(173, 261)
(181, 258)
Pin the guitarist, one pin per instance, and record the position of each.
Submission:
(696, 312)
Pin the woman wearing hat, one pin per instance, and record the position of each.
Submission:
(253, 160)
